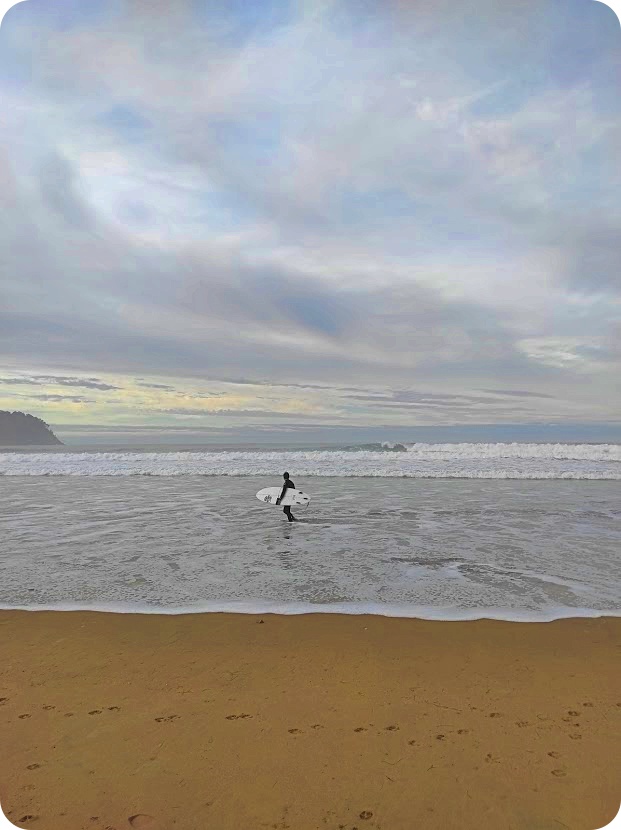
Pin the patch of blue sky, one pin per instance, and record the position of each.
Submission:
(239, 20)
(588, 188)
(135, 213)
(580, 39)
(315, 311)
(220, 211)
(373, 207)
(62, 16)
(366, 20)
(126, 122)
(511, 43)
(509, 96)
(411, 226)
(487, 55)
(15, 64)
(253, 142)
(572, 44)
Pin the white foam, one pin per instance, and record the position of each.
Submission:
(403, 611)
(468, 461)
(433, 549)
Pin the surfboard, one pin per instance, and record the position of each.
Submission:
(269, 495)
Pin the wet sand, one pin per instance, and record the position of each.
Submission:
(237, 722)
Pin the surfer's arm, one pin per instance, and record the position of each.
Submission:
(282, 493)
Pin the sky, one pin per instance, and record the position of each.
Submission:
(310, 216)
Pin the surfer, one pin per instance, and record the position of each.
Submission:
(286, 486)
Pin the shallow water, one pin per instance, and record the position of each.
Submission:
(412, 547)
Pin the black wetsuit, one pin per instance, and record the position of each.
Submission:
(287, 510)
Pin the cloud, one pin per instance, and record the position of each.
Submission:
(315, 200)
(46, 380)
(61, 398)
(58, 189)
(237, 413)
(518, 393)
(156, 386)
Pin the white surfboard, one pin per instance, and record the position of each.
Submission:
(270, 495)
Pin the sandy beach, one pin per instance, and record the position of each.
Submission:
(236, 721)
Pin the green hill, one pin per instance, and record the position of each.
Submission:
(19, 429)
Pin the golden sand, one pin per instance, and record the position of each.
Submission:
(218, 722)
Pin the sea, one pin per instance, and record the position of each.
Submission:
(513, 531)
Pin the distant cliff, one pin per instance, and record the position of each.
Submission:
(18, 429)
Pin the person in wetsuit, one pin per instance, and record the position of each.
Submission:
(286, 486)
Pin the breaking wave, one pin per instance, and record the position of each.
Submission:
(465, 460)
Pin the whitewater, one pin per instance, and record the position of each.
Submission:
(462, 461)
(431, 547)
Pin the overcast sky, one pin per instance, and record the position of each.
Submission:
(310, 213)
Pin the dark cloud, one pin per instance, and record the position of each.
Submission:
(57, 398)
(275, 384)
(242, 413)
(415, 397)
(46, 380)
(518, 393)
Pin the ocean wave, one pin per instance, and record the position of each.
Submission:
(460, 461)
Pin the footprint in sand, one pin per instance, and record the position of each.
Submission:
(47, 708)
(391, 728)
(554, 754)
(589, 705)
(573, 713)
(114, 708)
(68, 714)
(440, 737)
(3, 699)
(495, 715)
(294, 731)
(463, 731)
(25, 819)
(360, 729)
(521, 723)
(560, 773)
(33, 766)
(96, 712)
(576, 737)
(22, 717)
(142, 822)
(238, 717)
(366, 814)
(167, 718)
(317, 726)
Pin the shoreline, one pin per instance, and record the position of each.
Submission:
(303, 721)
(300, 609)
